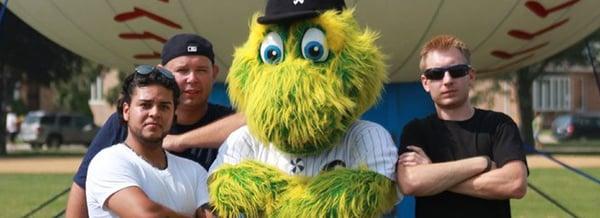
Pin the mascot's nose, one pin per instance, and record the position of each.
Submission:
(295, 65)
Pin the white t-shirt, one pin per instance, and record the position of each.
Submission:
(365, 143)
(180, 187)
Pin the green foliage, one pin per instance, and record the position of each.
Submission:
(29, 55)
(578, 53)
(113, 93)
(72, 95)
(26, 55)
(18, 107)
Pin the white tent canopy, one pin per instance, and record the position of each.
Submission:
(503, 35)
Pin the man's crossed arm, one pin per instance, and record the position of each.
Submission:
(475, 176)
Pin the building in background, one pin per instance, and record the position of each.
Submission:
(99, 104)
(564, 90)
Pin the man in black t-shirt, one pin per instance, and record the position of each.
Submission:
(191, 60)
(460, 161)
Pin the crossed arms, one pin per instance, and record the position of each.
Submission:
(419, 177)
(133, 202)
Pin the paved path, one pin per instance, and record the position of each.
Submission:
(70, 164)
(40, 164)
(577, 161)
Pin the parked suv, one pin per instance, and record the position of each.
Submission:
(573, 126)
(54, 129)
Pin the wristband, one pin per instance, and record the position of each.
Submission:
(489, 165)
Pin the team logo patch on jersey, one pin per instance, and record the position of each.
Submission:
(297, 165)
(334, 165)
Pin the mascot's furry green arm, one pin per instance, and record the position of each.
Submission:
(302, 83)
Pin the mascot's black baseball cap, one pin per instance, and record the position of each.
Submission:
(281, 11)
(186, 44)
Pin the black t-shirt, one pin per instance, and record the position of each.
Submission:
(486, 133)
(114, 132)
(202, 156)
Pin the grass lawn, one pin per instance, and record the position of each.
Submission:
(21, 193)
(576, 193)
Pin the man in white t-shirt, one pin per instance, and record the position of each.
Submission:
(137, 178)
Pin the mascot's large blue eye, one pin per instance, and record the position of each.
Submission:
(271, 49)
(314, 45)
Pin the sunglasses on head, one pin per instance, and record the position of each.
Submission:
(147, 69)
(456, 71)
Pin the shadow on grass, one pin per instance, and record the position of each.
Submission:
(579, 146)
(578, 143)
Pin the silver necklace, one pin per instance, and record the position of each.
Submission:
(147, 161)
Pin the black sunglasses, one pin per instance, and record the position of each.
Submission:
(147, 69)
(456, 71)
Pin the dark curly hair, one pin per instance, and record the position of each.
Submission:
(155, 77)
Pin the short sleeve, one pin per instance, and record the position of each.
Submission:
(507, 145)
(108, 173)
(202, 188)
(375, 148)
(410, 136)
(237, 147)
(112, 132)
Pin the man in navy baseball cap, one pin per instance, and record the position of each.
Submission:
(186, 44)
(193, 134)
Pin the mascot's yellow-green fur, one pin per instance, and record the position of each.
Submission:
(302, 84)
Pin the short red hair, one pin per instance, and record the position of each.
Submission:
(444, 42)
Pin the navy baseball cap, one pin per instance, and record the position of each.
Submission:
(278, 11)
(186, 44)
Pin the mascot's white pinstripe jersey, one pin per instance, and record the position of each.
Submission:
(365, 144)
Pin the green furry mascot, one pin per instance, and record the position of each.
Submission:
(305, 75)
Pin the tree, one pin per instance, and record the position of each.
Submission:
(524, 77)
(113, 93)
(72, 95)
(30, 54)
(27, 55)
(523, 82)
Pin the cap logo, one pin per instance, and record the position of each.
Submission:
(298, 1)
(192, 48)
